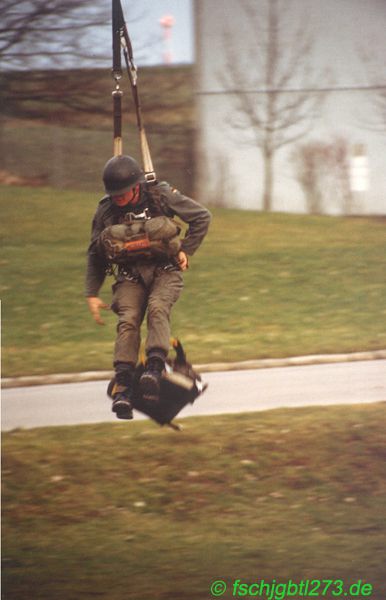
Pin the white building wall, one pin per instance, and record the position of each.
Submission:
(229, 162)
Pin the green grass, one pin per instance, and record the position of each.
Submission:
(262, 285)
(135, 512)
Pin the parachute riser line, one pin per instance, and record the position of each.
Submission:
(122, 44)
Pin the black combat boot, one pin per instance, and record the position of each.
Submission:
(150, 381)
(122, 391)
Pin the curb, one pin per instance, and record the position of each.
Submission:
(265, 363)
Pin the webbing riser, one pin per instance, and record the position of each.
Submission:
(122, 43)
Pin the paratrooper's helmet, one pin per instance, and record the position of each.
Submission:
(120, 174)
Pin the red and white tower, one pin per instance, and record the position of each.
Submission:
(167, 23)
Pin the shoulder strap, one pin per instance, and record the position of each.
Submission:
(157, 199)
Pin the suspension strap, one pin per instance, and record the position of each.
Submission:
(117, 75)
(121, 41)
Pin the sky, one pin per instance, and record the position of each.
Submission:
(143, 20)
(146, 33)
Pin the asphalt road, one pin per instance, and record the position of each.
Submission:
(228, 392)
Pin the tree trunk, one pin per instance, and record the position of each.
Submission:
(268, 181)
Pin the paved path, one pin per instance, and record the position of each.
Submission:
(228, 392)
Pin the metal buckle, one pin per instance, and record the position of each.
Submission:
(151, 177)
(128, 274)
(143, 216)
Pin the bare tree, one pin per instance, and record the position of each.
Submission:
(268, 81)
(40, 40)
(38, 37)
(45, 33)
(323, 172)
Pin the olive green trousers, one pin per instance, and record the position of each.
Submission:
(152, 292)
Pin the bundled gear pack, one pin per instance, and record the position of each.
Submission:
(180, 385)
(140, 237)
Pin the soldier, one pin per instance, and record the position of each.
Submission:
(134, 237)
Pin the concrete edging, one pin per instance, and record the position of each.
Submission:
(264, 363)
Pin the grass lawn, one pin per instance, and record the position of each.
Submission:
(262, 285)
(135, 512)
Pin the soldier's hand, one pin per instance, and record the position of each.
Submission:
(182, 260)
(95, 304)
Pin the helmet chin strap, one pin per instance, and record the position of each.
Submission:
(135, 197)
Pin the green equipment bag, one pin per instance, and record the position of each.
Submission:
(154, 237)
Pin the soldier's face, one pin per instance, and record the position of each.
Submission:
(130, 197)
